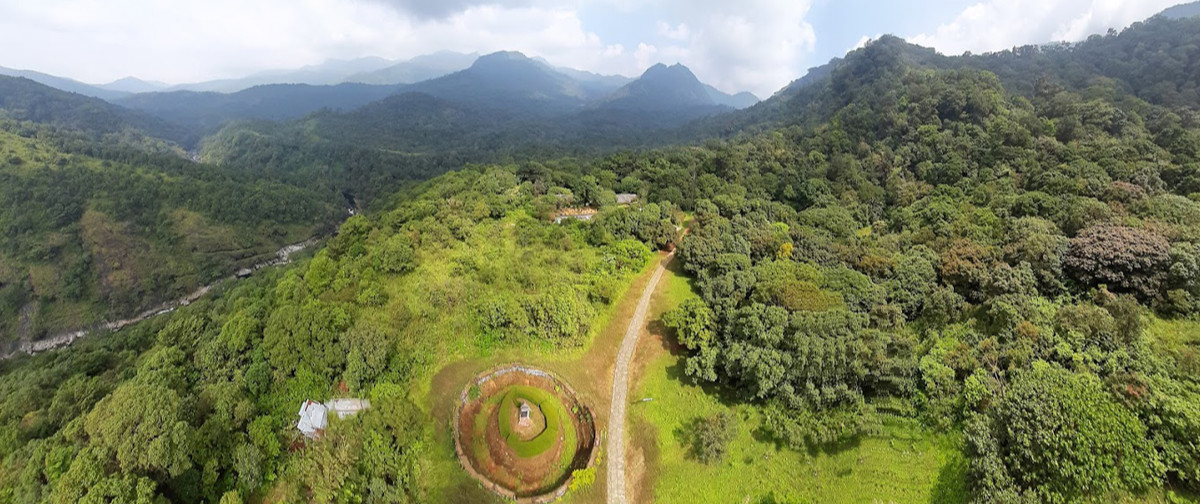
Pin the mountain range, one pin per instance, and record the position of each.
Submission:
(65, 84)
(554, 103)
(1182, 11)
(369, 70)
(575, 90)
(524, 87)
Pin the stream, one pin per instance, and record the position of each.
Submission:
(29, 347)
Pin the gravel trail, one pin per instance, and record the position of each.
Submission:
(620, 391)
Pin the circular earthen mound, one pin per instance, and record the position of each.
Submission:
(522, 433)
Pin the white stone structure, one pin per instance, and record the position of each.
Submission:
(312, 419)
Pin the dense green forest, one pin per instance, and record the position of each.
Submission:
(97, 230)
(1004, 249)
(1153, 60)
(956, 247)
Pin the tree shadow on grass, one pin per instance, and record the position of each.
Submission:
(730, 398)
(835, 447)
(773, 498)
(676, 267)
(763, 434)
(685, 435)
(669, 343)
(951, 484)
(727, 396)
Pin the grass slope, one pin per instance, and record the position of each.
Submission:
(493, 261)
(906, 465)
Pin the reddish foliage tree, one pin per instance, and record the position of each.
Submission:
(1126, 259)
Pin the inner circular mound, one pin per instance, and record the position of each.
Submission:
(523, 432)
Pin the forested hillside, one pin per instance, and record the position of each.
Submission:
(1154, 60)
(205, 112)
(999, 264)
(26, 100)
(504, 107)
(200, 407)
(1001, 250)
(95, 231)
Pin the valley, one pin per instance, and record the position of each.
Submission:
(905, 277)
(28, 346)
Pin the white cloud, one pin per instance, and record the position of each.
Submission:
(673, 32)
(755, 45)
(645, 55)
(441, 9)
(862, 42)
(614, 50)
(176, 42)
(994, 25)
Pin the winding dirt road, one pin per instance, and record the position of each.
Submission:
(620, 390)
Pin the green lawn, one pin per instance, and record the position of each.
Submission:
(906, 465)
(554, 412)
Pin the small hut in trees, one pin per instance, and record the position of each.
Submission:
(312, 419)
(347, 407)
(626, 198)
(583, 214)
(314, 416)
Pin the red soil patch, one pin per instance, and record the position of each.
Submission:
(538, 478)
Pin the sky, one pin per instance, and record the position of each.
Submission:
(745, 45)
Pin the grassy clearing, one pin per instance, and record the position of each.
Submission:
(905, 465)
(440, 319)
(457, 351)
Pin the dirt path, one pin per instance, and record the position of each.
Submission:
(620, 390)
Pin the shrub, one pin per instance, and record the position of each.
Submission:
(626, 255)
(582, 478)
(1062, 437)
(395, 255)
(694, 323)
(559, 314)
(711, 436)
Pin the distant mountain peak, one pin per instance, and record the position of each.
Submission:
(663, 69)
(134, 85)
(420, 68)
(676, 71)
(1182, 11)
(501, 56)
(508, 80)
(662, 87)
(508, 62)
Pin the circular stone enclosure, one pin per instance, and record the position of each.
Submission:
(522, 432)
